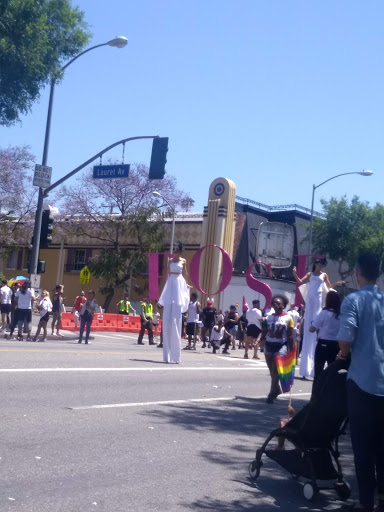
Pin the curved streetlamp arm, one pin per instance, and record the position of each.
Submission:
(333, 177)
(90, 160)
(82, 53)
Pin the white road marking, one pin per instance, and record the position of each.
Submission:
(170, 367)
(172, 402)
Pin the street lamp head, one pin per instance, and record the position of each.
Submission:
(156, 194)
(118, 42)
(365, 173)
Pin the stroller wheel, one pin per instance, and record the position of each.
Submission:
(309, 491)
(254, 468)
(343, 490)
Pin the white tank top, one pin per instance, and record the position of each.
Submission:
(192, 312)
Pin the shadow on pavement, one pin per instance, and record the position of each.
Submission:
(250, 421)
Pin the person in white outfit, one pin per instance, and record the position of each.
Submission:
(175, 300)
(192, 320)
(44, 307)
(319, 284)
(5, 300)
(25, 298)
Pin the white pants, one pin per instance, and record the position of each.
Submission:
(171, 327)
(76, 319)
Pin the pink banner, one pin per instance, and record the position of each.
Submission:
(259, 286)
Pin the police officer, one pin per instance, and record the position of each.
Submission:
(124, 306)
(146, 322)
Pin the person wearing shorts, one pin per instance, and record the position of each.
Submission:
(5, 303)
(25, 298)
(192, 320)
(277, 333)
(254, 317)
(44, 307)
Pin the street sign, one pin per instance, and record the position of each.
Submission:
(35, 280)
(42, 176)
(85, 275)
(111, 171)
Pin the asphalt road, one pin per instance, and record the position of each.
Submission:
(109, 427)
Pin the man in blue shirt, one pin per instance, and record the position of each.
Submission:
(361, 336)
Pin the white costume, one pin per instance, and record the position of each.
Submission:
(313, 305)
(175, 301)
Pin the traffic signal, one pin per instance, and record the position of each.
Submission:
(46, 228)
(41, 265)
(158, 158)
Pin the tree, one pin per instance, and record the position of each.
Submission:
(36, 36)
(17, 197)
(347, 230)
(132, 227)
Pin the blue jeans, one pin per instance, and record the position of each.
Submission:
(366, 419)
(84, 321)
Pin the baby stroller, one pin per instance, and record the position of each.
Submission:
(314, 433)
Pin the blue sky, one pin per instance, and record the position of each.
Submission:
(275, 95)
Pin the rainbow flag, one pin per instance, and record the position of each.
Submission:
(286, 369)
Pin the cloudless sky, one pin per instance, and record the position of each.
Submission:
(274, 95)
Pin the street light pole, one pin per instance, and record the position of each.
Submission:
(362, 173)
(117, 42)
(173, 206)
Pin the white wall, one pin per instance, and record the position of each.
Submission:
(238, 287)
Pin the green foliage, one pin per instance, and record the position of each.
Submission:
(36, 38)
(117, 264)
(347, 230)
(134, 226)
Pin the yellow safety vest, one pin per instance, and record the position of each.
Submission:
(148, 309)
(124, 306)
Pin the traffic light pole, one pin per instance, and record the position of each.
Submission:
(39, 207)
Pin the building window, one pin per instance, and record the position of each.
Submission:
(77, 259)
(80, 259)
(27, 259)
(12, 260)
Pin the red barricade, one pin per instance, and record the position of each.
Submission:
(68, 321)
(126, 323)
(106, 322)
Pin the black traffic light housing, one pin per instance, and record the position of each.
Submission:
(158, 158)
(46, 228)
(41, 265)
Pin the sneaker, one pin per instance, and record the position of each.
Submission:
(203, 345)
(209, 345)
(160, 345)
(233, 348)
(140, 343)
(34, 339)
(20, 338)
(79, 341)
(245, 356)
(59, 335)
(44, 339)
(53, 334)
(225, 351)
(29, 338)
